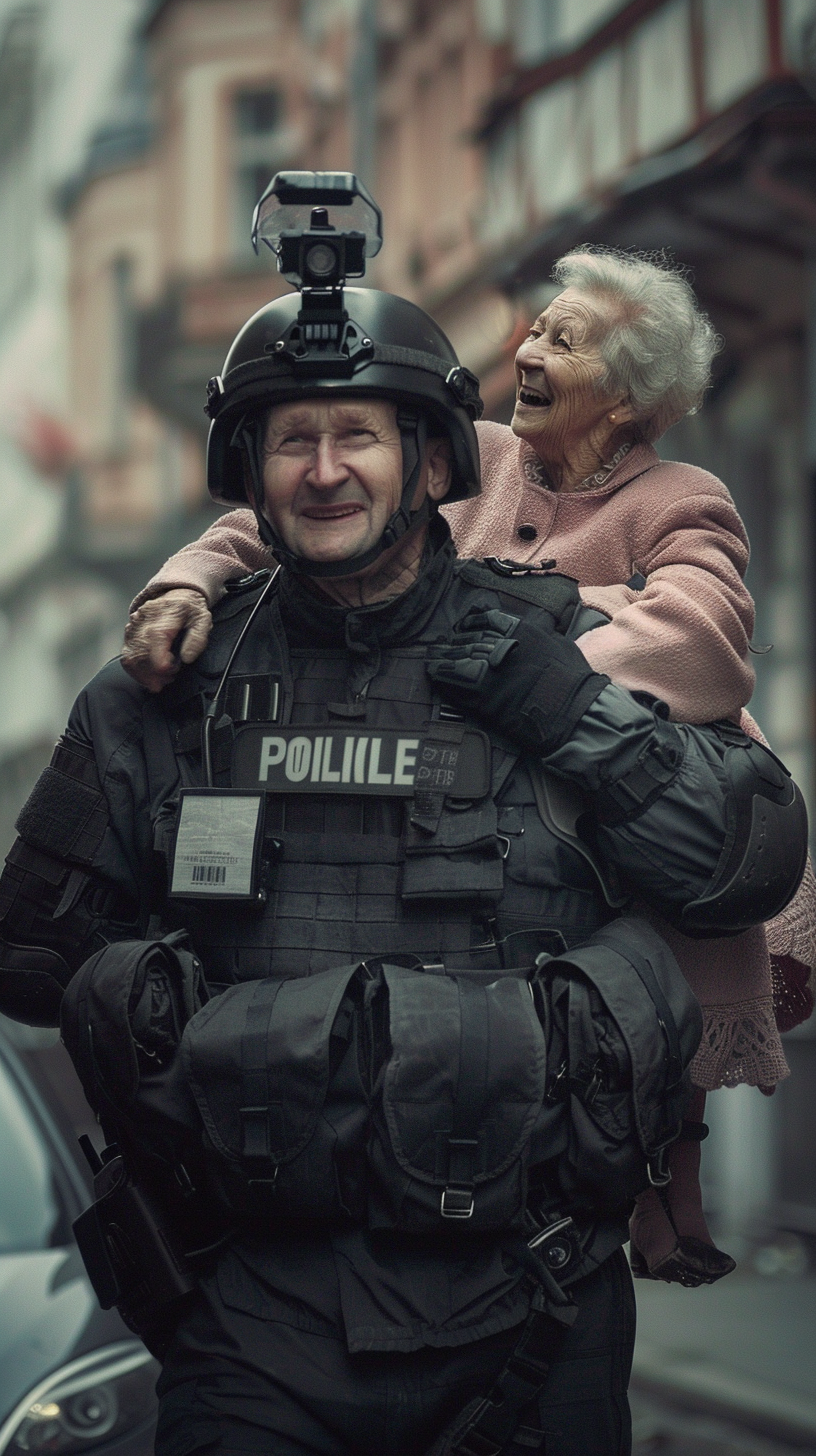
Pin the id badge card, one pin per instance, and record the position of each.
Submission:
(217, 850)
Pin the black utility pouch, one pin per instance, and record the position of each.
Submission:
(273, 1067)
(455, 1101)
(622, 1027)
(123, 1014)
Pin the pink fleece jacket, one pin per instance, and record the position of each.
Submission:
(684, 638)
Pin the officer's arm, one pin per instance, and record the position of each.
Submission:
(66, 889)
(702, 821)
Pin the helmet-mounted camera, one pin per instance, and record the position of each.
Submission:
(321, 226)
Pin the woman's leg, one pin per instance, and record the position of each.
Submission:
(670, 1239)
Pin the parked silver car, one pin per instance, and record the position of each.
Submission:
(73, 1379)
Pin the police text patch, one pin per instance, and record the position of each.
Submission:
(376, 761)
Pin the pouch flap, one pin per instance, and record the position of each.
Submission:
(461, 858)
(467, 1066)
(464, 876)
(473, 828)
(133, 996)
(640, 983)
(257, 1060)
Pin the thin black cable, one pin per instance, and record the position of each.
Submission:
(207, 722)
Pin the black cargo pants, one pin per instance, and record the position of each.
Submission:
(234, 1382)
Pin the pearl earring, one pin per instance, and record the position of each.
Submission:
(612, 417)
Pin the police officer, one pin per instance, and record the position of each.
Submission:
(383, 752)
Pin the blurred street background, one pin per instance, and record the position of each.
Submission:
(135, 139)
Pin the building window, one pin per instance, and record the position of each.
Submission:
(258, 136)
(504, 211)
(534, 28)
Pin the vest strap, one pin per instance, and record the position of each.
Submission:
(255, 1115)
(471, 1091)
(490, 1426)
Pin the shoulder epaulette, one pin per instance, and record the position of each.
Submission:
(240, 596)
(239, 584)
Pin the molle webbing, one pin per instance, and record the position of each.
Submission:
(66, 814)
(354, 875)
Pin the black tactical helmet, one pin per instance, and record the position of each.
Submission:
(387, 348)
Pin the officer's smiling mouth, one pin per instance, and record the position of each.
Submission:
(334, 512)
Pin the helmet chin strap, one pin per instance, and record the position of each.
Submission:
(413, 430)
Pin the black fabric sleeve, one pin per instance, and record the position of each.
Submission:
(668, 844)
(66, 889)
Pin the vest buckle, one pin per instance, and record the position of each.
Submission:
(457, 1202)
(658, 1168)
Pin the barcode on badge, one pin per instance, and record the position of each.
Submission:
(217, 842)
(209, 874)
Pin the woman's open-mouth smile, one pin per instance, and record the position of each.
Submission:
(533, 397)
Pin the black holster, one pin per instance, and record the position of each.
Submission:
(131, 1255)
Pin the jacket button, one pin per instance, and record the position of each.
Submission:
(527, 533)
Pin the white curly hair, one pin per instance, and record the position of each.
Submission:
(659, 347)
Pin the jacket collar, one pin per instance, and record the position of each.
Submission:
(635, 462)
(311, 620)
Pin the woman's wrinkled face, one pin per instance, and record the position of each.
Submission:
(559, 404)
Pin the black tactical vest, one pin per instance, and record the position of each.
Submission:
(475, 864)
(367, 1061)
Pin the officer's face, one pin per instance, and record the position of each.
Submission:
(333, 475)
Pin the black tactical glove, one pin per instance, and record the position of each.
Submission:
(521, 676)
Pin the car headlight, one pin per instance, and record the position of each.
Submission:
(85, 1404)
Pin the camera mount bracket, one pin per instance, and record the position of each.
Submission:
(323, 339)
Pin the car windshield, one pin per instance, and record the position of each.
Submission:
(30, 1207)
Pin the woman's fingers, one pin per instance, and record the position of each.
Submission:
(164, 633)
(197, 635)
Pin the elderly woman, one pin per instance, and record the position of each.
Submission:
(617, 357)
(620, 354)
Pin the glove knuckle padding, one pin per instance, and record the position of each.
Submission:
(542, 691)
(493, 621)
(550, 685)
(764, 856)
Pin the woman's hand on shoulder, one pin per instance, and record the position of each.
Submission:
(164, 634)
